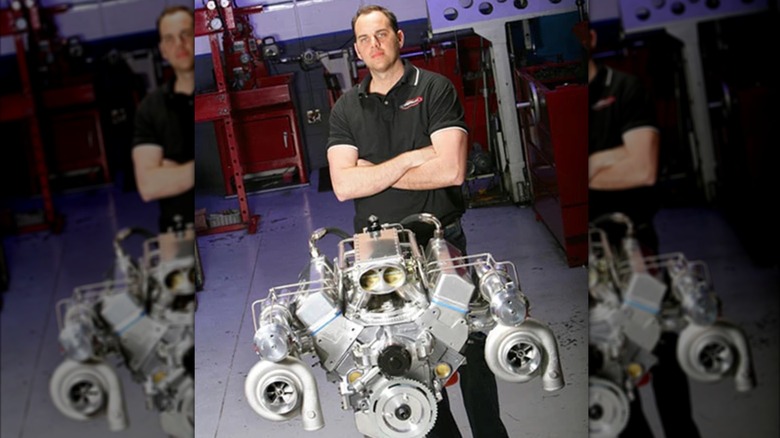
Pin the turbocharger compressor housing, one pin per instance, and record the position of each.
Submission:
(280, 391)
(83, 391)
(712, 353)
(518, 354)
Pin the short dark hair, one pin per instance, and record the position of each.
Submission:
(372, 8)
(170, 10)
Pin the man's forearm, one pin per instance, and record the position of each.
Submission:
(433, 174)
(604, 159)
(634, 164)
(619, 172)
(166, 181)
(367, 179)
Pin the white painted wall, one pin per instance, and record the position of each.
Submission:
(99, 19)
(603, 10)
(293, 19)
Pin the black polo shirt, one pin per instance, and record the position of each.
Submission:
(381, 127)
(618, 103)
(167, 119)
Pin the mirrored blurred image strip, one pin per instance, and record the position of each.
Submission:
(99, 263)
(682, 272)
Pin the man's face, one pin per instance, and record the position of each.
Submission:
(177, 44)
(376, 43)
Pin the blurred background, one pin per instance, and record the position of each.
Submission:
(707, 67)
(71, 76)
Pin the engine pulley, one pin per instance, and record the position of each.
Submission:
(608, 408)
(395, 361)
(404, 408)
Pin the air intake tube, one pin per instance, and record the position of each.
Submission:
(279, 391)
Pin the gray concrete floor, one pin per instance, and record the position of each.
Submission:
(240, 268)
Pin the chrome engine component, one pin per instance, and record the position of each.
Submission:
(711, 353)
(398, 408)
(608, 408)
(632, 300)
(144, 316)
(282, 390)
(387, 321)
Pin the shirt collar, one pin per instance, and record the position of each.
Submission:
(411, 76)
(604, 76)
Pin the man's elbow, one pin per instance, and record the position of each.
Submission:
(456, 176)
(147, 190)
(341, 194)
(147, 194)
(649, 176)
(651, 179)
(459, 179)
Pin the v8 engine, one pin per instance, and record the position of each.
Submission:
(633, 299)
(143, 317)
(387, 320)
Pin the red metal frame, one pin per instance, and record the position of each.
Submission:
(74, 102)
(22, 106)
(216, 107)
(274, 99)
(557, 155)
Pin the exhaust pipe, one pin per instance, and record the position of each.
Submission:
(78, 390)
(517, 354)
(274, 390)
(709, 353)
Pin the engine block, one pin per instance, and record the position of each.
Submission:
(143, 316)
(633, 299)
(387, 321)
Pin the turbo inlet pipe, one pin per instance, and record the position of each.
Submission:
(285, 381)
(319, 234)
(426, 218)
(515, 354)
(90, 382)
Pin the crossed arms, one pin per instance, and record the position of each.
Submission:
(158, 177)
(634, 164)
(441, 164)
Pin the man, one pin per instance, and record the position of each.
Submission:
(623, 147)
(623, 144)
(163, 151)
(397, 146)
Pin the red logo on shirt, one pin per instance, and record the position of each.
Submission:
(411, 103)
(603, 103)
